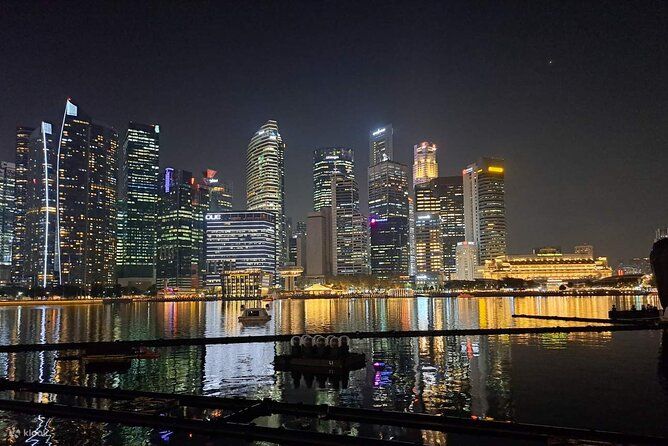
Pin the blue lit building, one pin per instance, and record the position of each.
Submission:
(240, 240)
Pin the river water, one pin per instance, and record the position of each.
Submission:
(610, 381)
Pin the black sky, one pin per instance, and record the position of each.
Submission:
(585, 136)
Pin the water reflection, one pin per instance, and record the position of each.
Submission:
(576, 379)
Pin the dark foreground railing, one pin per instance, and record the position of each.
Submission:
(178, 342)
(239, 413)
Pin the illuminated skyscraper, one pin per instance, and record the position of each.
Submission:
(450, 195)
(265, 172)
(388, 210)
(349, 229)
(86, 201)
(220, 192)
(425, 166)
(7, 211)
(239, 240)
(328, 161)
(180, 237)
(428, 235)
(381, 145)
(21, 165)
(40, 240)
(485, 208)
(139, 174)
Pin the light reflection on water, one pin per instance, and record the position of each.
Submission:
(575, 379)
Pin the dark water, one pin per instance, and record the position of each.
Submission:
(612, 381)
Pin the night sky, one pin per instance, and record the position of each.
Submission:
(574, 95)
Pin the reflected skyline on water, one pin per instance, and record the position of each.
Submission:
(527, 378)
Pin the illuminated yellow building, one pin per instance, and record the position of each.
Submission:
(547, 265)
(246, 283)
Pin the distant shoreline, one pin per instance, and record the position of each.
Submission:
(474, 294)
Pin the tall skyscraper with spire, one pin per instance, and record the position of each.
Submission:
(86, 201)
(139, 172)
(265, 180)
(38, 247)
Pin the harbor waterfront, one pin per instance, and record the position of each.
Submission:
(573, 379)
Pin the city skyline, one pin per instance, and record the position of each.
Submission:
(565, 144)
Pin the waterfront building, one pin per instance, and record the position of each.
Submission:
(389, 213)
(428, 236)
(21, 164)
(220, 192)
(466, 261)
(546, 265)
(328, 161)
(449, 193)
(138, 188)
(319, 250)
(349, 229)
(389, 247)
(180, 236)
(485, 208)
(86, 201)
(425, 166)
(246, 283)
(381, 145)
(265, 172)
(7, 212)
(239, 240)
(39, 244)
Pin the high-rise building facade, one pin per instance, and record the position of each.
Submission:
(7, 213)
(239, 240)
(39, 244)
(388, 222)
(381, 145)
(139, 175)
(485, 208)
(180, 236)
(328, 161)
(265, 173)
(449, 192)
(220, 192)
(319, 249)
(86, 201)
(23, 135)
(349, 229)
(425, 166)
(297, 244)
(428, 236)
(466, 261)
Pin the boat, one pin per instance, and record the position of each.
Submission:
(465, 296)
(350, 361)
(254, 316)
